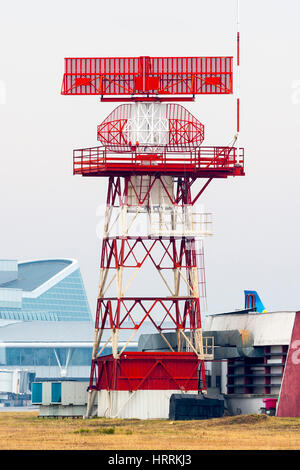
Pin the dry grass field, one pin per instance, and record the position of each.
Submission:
(27, 431)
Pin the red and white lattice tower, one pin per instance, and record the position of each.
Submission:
(152, 154)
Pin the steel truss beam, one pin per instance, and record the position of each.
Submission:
(176, 255)
(117, 194)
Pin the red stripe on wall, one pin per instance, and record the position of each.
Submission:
(289, 399)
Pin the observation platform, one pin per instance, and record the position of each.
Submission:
(199, 162)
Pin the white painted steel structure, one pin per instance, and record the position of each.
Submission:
(148, 124)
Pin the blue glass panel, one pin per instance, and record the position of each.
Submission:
(56, 392)
(37, 391)
(65, 301)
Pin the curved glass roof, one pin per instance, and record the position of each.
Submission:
(33, 274)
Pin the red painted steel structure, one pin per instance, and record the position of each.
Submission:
(140, 76)
(149, 371)
(288, 403)
(134, 169)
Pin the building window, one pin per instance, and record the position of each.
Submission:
(208, 381)
(37, 390)
(56, 392)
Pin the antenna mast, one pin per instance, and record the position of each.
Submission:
(238, 74)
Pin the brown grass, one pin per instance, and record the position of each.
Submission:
(27, 431)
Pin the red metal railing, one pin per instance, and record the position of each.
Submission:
(163, 159)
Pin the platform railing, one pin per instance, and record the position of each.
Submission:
(180, 221)
(156, 158)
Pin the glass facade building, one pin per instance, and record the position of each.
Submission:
(50, 356)
(49, 290)
(46, 327)
(43, 356)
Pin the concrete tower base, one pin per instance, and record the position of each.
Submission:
(140, 404)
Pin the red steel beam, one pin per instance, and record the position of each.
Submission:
(160, 99)
(130, 313)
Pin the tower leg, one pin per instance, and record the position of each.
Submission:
(90, 404)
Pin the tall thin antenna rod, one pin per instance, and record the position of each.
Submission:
(238, 75)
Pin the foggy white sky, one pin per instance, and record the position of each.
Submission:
(48, 212)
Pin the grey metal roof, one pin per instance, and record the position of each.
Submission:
(59, 331)
(47, 331)
(269, 328)
(32, 274)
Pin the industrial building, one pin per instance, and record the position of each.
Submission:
(253, 350)
(256, 354)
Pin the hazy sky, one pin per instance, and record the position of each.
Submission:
(48, 212)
